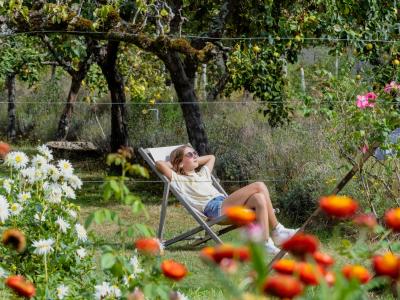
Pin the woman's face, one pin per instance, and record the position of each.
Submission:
(190, 161)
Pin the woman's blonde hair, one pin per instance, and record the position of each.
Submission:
(176, 158)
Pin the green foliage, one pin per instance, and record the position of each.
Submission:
(21, 56)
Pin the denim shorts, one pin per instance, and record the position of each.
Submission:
(213, 207)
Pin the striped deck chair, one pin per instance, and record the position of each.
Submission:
(151, 155)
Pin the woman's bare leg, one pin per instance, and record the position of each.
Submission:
(241, 196)
(258, 203)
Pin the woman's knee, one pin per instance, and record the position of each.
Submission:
(260, 187)
(259, 200)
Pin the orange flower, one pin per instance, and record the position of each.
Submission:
(386, 265)
(173, 269)
(148, 246)
(207, 253)
(15, 238)
(392, 219)
(356, 271)
(4, 149)
(242, 253)
(21, 286)
(338, 206)
(283, 286)
(284, 266)
(323, 259)
(301, 244)
(223, 251)
(366, 220)
(309, 274)
(240, 215)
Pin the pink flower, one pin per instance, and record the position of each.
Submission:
(371, 96)
(253, 232)
(364, 149)
(362, 101)
(391, 86)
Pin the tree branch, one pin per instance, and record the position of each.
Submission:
(61, 61)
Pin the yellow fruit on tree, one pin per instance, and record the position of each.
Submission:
(396, 62)
(358, 76)
(276, 54)
(256, 49)
(297, 38)
(369, 46)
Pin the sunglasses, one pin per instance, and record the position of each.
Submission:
(192, 154)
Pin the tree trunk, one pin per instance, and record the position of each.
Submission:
(65, 120)
(11, 128)
(115, 82)
(184, 87)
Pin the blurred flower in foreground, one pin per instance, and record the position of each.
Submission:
(148, 246)
(283, 286)
(386, 265)
(173, 269)
(240, 215)
(20, 286)
(356, 271)
(392, 219)
(365, 220)
(301, 244)
(338, 206)
(4, 149)
(15, 238)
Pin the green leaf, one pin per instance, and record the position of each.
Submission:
(107, 261)
(89, 220)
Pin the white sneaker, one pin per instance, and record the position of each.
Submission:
(281, 234)
(271, 248)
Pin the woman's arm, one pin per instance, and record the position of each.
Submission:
(165, 167)
(207, 160)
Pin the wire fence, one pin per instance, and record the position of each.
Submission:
(270, 38)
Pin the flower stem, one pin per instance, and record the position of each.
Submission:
(45, 268)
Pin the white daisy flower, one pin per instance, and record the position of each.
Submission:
(53, 172)
(62, 224)
(7, 185)
(65, 167)
(68, 191)
(102, 290)
(127, 279)
(46, 152)
(29, 174)
(4, 209)
(38, 161)
(115, 291)
(71, 213)
(53, 192)
(81, 232)
(75, 182)
(39, 218)
(134, 261)
(15, 209)
(43, 247)
(17, 160)
(180, 296)
(81, 252)
(62, 291)
(23, 197)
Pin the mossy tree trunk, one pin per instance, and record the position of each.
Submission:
(115, 82)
